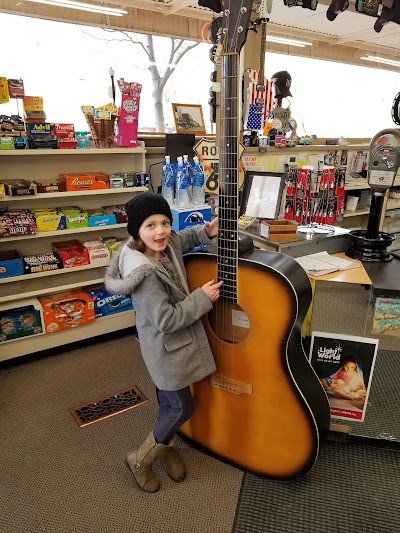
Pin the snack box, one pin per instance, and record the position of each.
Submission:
(118, 211)
(17, 222)
(50, 221)
(2, 190)
(98, 251)
(50, 185)
(74, 220)
(42, 262)
(106, 303)
(87, 181)
(67, 310)
(11, 264)
(72, 253)
(21, 188)
(22, 321)
(98, 217)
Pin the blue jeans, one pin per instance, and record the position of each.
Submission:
(174, 409)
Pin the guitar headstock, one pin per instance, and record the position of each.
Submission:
(235, 24)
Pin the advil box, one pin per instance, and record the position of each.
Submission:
(190, 216)
(68, 310)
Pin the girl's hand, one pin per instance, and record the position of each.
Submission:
(211, 228)
(212, 290)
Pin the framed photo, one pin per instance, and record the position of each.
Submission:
(262, 194)
(189, 118)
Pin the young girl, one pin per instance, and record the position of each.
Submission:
(173, 342)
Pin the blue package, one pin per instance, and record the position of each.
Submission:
(106, 303)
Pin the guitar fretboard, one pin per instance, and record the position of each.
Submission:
(228, 208)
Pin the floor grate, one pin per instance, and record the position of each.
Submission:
(96, 410)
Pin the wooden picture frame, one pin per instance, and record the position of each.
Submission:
(189, 118)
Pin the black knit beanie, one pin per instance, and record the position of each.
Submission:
(142, 206)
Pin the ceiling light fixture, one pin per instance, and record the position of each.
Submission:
(382, 60)
(92, 8)
(290, 42)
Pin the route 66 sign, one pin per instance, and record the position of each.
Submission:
(208, 154)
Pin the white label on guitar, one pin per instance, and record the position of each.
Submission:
(239, 318)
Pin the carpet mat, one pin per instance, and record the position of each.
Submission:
(351, 488)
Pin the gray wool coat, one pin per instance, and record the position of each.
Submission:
(172, 339)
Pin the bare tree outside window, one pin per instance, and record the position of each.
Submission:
(160, 73)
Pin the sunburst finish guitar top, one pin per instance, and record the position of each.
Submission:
(264, 409)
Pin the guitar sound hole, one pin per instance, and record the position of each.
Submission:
(229, 322)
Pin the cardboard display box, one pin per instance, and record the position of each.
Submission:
(21, 321)
(11, 264)
(67, 310)
(189, 216)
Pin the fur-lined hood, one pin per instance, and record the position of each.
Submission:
(127, 269)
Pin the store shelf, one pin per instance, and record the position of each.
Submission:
(37, 343)
(43, 196)
(59, 271)
(356, 213)
(71, 153)
(51, 290)
(393, 203)
(66, 232)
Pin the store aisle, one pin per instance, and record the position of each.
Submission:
(59, 478)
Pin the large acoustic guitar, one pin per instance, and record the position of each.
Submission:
(264, 410)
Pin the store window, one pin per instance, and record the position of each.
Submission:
(69, 66)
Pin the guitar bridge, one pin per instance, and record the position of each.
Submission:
(230, 385)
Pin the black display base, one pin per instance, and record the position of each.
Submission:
(373, 250)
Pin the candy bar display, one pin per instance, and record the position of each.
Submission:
(21, 188)
(75, 218)
(106, 303)
(42, 262)
(66, 310)
(85, 181)
(21, 321)
(72, 253)
(118, 211)
(98, 251)
(49, 219)
(98, 217)
(101, 121)
(113, 244)
(16, 222)
(11, 264)
(127, 124)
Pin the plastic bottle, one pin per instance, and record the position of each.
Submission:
(188, 176)
(181, 185)
(168, 181)
(198, 197)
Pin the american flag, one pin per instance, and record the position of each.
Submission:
(252, 115)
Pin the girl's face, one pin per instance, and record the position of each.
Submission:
(154, 233)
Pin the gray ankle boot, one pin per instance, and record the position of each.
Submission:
(173, 463)
(140, 463)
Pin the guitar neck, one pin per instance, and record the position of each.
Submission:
(228, 207)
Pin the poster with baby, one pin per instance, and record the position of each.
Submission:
(344, 365)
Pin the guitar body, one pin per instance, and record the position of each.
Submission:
(264, 410)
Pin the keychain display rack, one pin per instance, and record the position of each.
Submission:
(315, 199)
